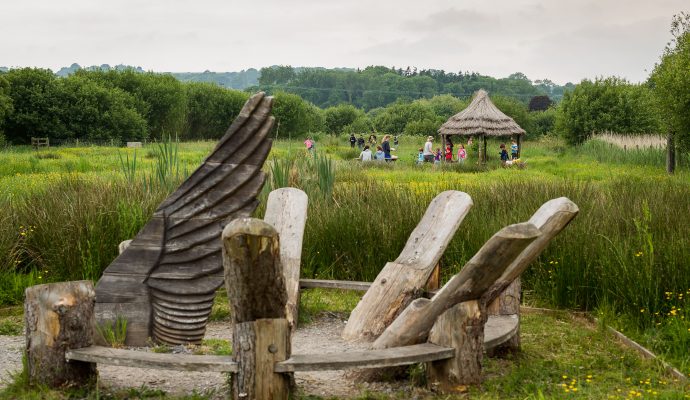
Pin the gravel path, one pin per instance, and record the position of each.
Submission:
(320, 336)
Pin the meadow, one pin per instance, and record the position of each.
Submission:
(624, 258)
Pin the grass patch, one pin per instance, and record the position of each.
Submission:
(216, 347)
(314, 302)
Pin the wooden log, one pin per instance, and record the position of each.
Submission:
(256, 289)
(460, 327)
(286, 210)
(330, 284)
(143, 359)
(397, 356)
(59, 317)
(551, 218)
(403, 280)
(415, 322)
(507, 303)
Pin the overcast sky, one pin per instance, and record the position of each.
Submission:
(563, 40)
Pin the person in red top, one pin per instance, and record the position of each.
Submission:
(449, 153)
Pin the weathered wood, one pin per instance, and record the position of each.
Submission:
(397, 356)
(330, 284)
(499, 329)
(462, 328)
(58, 317)
(142, 359)
(256, 289)
(551, 218)
(434, 281)
(178, 252)
(286, 210)
(507, 303)
(403, 280)
(414, 323)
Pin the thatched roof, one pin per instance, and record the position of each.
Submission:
(481, 117)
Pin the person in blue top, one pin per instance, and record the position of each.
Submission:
(514, 150)
(385, 144)
(503, 153)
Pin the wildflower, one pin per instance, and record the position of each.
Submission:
(642, 310)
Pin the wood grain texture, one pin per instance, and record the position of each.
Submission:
(401, 281)
(365, 359)
(142, 359)
(507, 304)
(415, 322)
(255, 283)
(177, 255)
(286, 210)
(58, 317)
(333, 284)
(462, 328)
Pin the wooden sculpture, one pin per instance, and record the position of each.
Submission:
(165, 281)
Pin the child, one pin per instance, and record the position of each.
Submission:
(309, 144)
(437, 156)
(395, 140)
(365, 155)
(462, 154)
(449, 153)
(420, 156)
(380, 155)
(514, 150)
(360, 142)
(503, 154)
(353, 140)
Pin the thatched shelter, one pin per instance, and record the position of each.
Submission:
(481, 118)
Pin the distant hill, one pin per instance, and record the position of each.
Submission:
(233, 80)
(65, 71)
(4, 69)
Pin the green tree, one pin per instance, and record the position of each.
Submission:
(671, 80)
(6, 107)
(294, 116)
(210, 110)
(395, 117)
(340, 116)
(36, 109)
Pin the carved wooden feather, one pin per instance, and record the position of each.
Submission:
(164, 283)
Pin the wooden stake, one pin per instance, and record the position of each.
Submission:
(256, 289)
(460, 327)
(59, 317)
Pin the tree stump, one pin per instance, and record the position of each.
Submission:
(460, 327)
(256, 289)
(59, 317)
(507, 303)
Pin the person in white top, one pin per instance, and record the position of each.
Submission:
(428, 151)
(365, 155)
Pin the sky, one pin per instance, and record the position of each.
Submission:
(562, 40)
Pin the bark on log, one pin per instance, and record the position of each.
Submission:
(286, 210)
(59, 317)
(551, 218)
(414, 323)
(403, 280)
(256, 289)
(460, 327)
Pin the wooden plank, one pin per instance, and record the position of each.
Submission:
(499, 329)
(365, 359)
(401, 281)
(330, 284)
(480, 272)
(141, 359)
(286, 210)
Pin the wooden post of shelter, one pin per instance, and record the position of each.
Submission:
(59, 317)
(484, 158)
(256, 289)
(519, 145)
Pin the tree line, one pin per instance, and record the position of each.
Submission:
(378, 86)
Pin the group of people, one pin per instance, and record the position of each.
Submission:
(383, 151)
(372, 141)
(427, 153)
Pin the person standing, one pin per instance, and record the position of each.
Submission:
(513, 150)
(395, 140)
(360, 142)
(352, 140)
(309, 144)
(386, 145)
(428, 150)
(462, 154)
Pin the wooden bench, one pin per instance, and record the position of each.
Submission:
(37, 142)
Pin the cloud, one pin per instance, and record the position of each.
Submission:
(454, 20)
